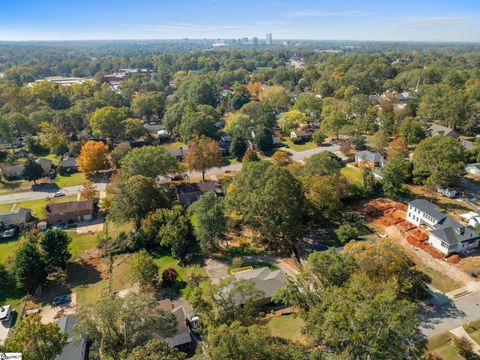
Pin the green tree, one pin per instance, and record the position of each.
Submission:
(29, 268)
(346, 233)
(270, 201)
(33, 171)
(370, 185)
(196, 124)
(411, 131)
(393, 178)
(133, 128)
(238, 147)
(149, 104)
(199, 90)
(54, 247)
(107, 122)
(275, 97)
(117, 325)
(36, 341)
(143, 269)
(378, 141)
(149, 161)
(323, 195)
(290, 120)
(309, 104)
(134, 198)
(334, 119)
(210, 222)
(239, 125)
(156, 349)
(438, 161)
(324, 163)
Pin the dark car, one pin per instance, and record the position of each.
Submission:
(62, 299)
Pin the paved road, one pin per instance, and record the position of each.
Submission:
(37, 195)
(450, 315)
(296, 156)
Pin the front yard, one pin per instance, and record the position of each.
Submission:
(444, 346)
(301, 146)
(353, 175)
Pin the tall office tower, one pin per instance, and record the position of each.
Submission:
(269, 39)
(255, 41)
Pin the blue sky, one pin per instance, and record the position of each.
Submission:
(419, 20)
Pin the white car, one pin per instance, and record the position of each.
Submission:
(58, 194)
(5, 313)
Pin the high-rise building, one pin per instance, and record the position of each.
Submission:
(255, 41)
(245, 40)
(269, 39)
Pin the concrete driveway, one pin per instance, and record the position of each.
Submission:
(216, 270)
(5, 329)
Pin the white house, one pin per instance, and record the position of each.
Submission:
(371, 158)
(423, 212)
(446, 235)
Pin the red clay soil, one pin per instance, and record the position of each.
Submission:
(454, 259)
(418, 234)
(424, 246)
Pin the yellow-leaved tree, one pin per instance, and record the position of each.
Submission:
(92, 157)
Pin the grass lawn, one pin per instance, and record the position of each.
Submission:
(173, 146)
(7, 249)
(300, 147)
(440, 281)
(82, 242)
(353, 175)
(444, 346)
(11, 296)
(5, 207)
(70, 180)
(255, 265)
(287, 327)
(473, 329)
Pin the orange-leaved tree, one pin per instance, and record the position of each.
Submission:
(203, 153)
(92, 156)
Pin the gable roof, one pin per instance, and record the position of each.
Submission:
(453, 233)
(15, 217)
(201, 187)
(436, 129)
(370, 156)
(428, 208)
(264, 279)
(68, 161)
(70, 207)
(73, 350)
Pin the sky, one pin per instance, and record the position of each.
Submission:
(387, 20)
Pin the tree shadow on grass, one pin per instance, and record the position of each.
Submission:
(78, 274)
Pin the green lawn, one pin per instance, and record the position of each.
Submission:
(7, 249)
(5, 207)
(473, 329)
(299, 147)
(287, 327)
(173, 146)
(440, 281)
(444, 346)
(82, 242)
(353, 175)
(70, 180)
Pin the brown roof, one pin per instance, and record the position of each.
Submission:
(198, 187)
(70, 206)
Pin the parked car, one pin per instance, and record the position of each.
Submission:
(62, 299)
(5, 313)
(58, 194)
(9, 233)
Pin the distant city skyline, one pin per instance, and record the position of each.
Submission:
(410, 20)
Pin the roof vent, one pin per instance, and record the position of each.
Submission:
(460, 230)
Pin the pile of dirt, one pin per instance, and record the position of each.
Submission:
(405, 226)
(425, 247)
(418, 234)
(454, 259)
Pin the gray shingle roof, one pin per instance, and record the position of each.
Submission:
(453, 233)
(16, 217)
(264, 279)
(73, 350)
(370, 156)
(428, 208)
(442, 130)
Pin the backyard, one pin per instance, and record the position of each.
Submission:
(287, 327)
(353, 175)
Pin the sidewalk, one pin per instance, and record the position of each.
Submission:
(459, 332)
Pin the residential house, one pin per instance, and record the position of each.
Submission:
(435, 129)
(422, 212)
(264, 280)
(74, 349)
(13, 171)
(301, 134)
(178, 153)
(369, 158)
(46, 165)
(70, 212)
(18, 217)
(68, 163)
(190, 192)
(182, 337)
(473, 169)
(445, 234)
